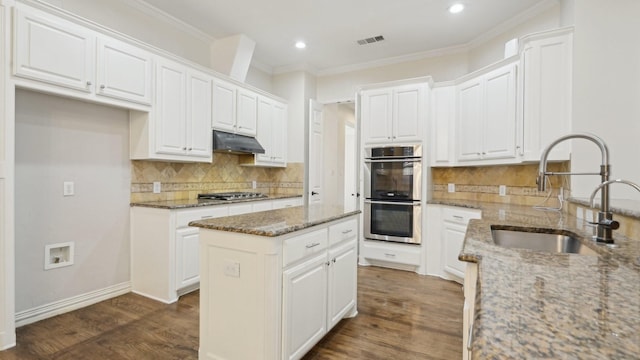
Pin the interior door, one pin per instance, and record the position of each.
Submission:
(315, 152)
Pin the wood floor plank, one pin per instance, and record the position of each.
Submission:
(401, 315)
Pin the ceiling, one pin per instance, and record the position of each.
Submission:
(331, 28)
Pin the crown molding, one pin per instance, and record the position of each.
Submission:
(457, 49)
(154, 12)
(520, 18)
(261, 66)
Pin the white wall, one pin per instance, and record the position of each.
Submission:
(492, 49)
(60, 140)
(606, 91)
(340, 87)
(260, 79)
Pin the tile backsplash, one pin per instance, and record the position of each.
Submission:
(187, 180)
(482, 183)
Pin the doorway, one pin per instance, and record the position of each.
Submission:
(338, 171)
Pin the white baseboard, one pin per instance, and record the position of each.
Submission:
(60, 307)
(7, 341)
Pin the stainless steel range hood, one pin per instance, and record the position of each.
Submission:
(235, 144)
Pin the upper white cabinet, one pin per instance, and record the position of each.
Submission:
(546, 93)
(54, 51)
(178, 126)
(272, 133)
(486, 126)
(443, 112)
(123, 71)
(235, 109)
(395, 114)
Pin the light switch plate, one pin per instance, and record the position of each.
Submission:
(68, 188)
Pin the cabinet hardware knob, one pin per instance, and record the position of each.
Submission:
(89, 83)
(484, 153)
(328, 263)
(314, 193)
(190, 149)
(334, 260)
(347, 231)
(309, 246)
(102, 87)
(184, 148)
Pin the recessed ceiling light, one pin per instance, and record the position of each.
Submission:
(301, 44)
(456, 8)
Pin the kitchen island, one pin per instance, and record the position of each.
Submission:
(532, 305)
(273, 283)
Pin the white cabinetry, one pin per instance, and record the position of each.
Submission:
(291, 291)
(54, 51)
(235, 109)
(178, 126)
(395, 114)
(443, 112)
(486, 127)
(272, 133)
(287, 202)
(453, 232)
(546, 93)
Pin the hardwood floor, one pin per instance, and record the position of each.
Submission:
(401, 316)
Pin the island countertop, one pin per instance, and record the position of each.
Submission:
(276, 222)
(537, 305)
(192, 203)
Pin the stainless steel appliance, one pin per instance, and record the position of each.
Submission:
(393, 189)
(232, 196)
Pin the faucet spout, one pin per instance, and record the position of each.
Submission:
(605, 222)
(605, 219)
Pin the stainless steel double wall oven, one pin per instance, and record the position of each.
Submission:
(393, 193)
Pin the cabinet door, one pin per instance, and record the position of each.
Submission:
(247, 113)
(499, 130)
(187, 257)
(123, 71)
(265, 130)
(443, 124)
(54, 51)
(304, 308)
(469, 129)
(199, 113)
(279, 139)
(453, 238)
(408, 113)
(170, 109)
(343, 279)
(546, 95)
(224, 106)
(377, 116)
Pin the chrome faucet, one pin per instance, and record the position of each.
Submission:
(605, 223)
(605, 184)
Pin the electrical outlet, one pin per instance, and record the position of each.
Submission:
(68, 188)
(254, 184)
(157, 187)
(502, 190)
(451, 188)
(231, 268)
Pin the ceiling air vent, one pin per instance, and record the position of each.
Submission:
(371, 40)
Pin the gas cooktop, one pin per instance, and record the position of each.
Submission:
(232, 196)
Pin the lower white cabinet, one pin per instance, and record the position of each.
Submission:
(454, 228)
(304, 305)
(165, 249)
(290, 290)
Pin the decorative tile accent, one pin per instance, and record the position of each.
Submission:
(479, 183)
(187, 180)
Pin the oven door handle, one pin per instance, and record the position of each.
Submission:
(392, 160)
(414, 203)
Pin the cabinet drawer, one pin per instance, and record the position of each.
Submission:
(408, 254)
(301, 246)
(285, 203)
(460, 216)
(343, 231)
(184, 217)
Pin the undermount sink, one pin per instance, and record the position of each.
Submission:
(547, 240)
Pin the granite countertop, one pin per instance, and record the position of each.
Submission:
(276, 222)
(190, 203)
(630, 208)
(535, 305)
